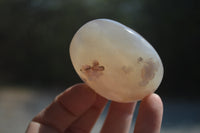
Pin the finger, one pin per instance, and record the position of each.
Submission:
(35, 127)
(88, 119)
(119, 118)
(150, 115)
(67, 107)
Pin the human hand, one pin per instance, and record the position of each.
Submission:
(77, 109)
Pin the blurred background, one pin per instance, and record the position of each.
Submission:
(34, 54)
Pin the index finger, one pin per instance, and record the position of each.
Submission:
(65, 109)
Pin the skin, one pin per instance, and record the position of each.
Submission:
(77, 109)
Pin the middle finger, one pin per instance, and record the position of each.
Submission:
(119, 118)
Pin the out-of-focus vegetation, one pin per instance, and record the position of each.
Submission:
(35, 37)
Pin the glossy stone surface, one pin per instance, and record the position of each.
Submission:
(115, 61)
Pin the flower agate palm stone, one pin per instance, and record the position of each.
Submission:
(115, 61)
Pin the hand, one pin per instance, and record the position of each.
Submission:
(77, 109)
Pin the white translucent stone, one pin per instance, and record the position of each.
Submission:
(115, 61)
